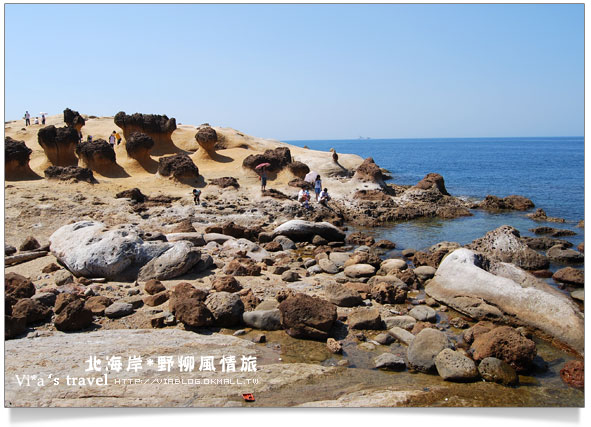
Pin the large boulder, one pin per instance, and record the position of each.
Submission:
(342, 296)
(303, 316)
(73, 119)
(225, 182)
(504, 244)
(564, 255)
(365, 318)
(268, 320)
(33, 311)
(423, 350)
(17, 286)
(304, 231)
(70, 173)
(16, 160)
(299, 169)
(179, 166)
(157, 127)
(496, 370)
(507, 344)
(98, 155)
(59, 145)
(138, 146)
(471, 284)
(278, 159)
(91, 249)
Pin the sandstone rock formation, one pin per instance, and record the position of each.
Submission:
(513, 202)
(67, 173)
(433, 180)
(59, 145)
(138, 145)
(16, 160)
(98, 155)
(368, 171)
(300, 230)
(489, 290)
(73, 119)
(277, 158)
(206, 138)
(157, 127)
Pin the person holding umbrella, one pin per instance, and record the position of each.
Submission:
(263, 174)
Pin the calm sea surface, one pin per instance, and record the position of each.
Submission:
(549, 171)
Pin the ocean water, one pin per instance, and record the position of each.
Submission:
(549, 171)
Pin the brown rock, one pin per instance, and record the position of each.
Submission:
(226, 284)
(31, 310)
(419, 326)
(507, 344)
(29, 244)
(98, 304)
(303, 316)
(156, 299)
(334, 346)
(359, 238)
(193, 313)
(478, 329)
(369, 171)
(433, 180)
(365, 318)
(17, 286)
(62, 300)
(73, 317)
(225, 182)
(14, 326)
(243, 267)
(570, 276)
(249, 299)
(50, 268)
(389, 293)
(154, 286)
(573, 373)
(185, 291)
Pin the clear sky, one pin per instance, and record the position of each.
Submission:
(306, 71)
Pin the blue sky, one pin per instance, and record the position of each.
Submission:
(306, 71)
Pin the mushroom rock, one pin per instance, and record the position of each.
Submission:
(207, 138)
(16, 160)
(157, 127)
(59, 145)
(368, 171)
(98, 155)
(73, 119)
(299, 169)
(278, 159)
(179, 166)
(433, 180)
(138, 145)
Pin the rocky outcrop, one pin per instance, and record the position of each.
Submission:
(73, 317)
(564, 255)
(98, 155)
(70, 173)
(303, 316)
(59, 145)
(278, 159)
(513, 202)
(91, 249)
(369, 171)
(73, 119)
(179, 166)
(304, 231)
(16, 160)
(433, 180)
(157, 127)
(504, 244)
(488, 290)
(570, 276)
(540, 215)
(138, 145)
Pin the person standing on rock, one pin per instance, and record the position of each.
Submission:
(42, 119)
(317, 186)
(27, 119)
(112, 139)
(118, 137)
(263, 178)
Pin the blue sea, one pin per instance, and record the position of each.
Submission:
(549, 171)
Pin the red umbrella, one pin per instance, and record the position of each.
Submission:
(263, 165)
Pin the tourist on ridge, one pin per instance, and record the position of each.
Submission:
(42, 119)
(317, 186)
(118, 137)
(36, 122)
(27, 119)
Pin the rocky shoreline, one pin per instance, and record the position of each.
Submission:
(109, 269)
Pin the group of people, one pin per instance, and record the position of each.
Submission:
(36, 122)
(114, 137)
(322, 195)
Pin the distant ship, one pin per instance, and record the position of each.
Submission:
(364, 137)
